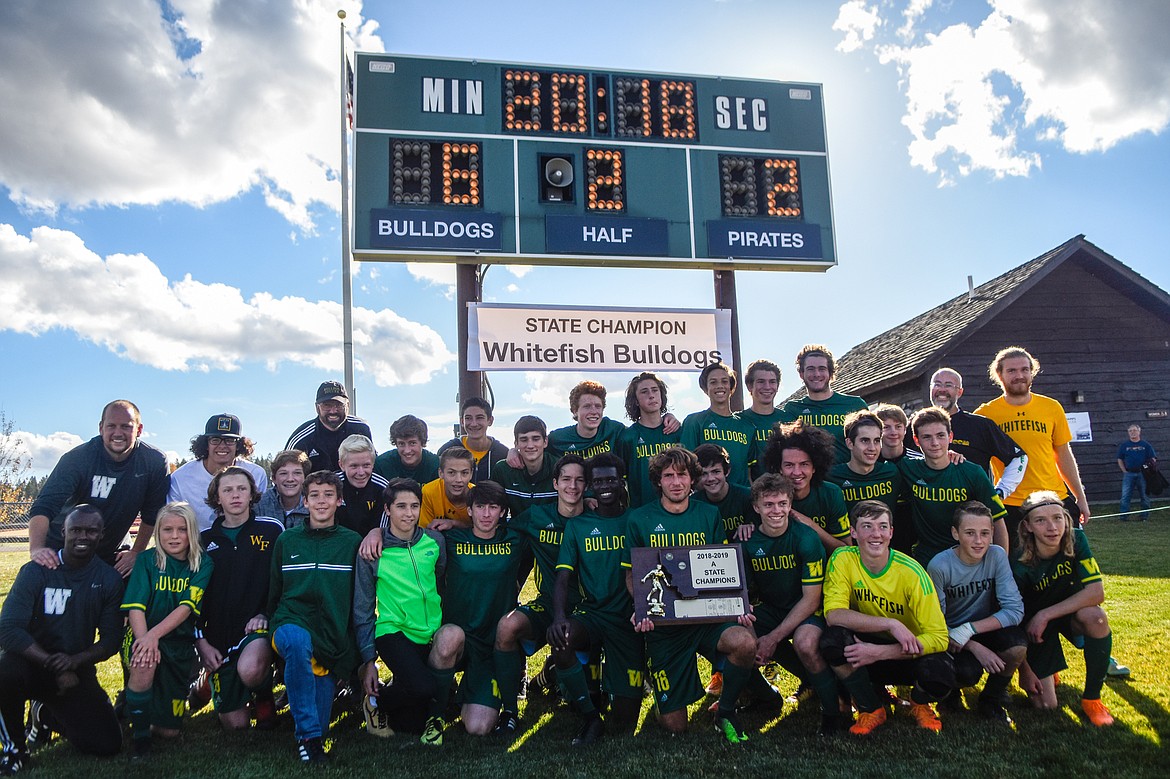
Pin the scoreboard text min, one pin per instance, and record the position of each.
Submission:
(537, 164)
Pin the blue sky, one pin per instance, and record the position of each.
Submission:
(169, 205)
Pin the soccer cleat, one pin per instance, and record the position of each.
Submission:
(312, 750)
(546, 680)
(953, 702)
(432, 734)
(715, 686)
(1117, 670)
(590, 732)
(199, 695)
(993, 711)
(38, 733)
(830, 725)
(507, 724)
(923, 714)
(1096, 712)
(12, 762)
(728, 727)
(868, 721)
(377, 723)
(140, 749)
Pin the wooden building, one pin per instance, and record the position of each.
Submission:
(1100, 331)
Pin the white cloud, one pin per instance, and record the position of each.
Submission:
(993, 96)
(439, 274)
(127, 305)
(111, 103)
(43, 451)
(858, 22)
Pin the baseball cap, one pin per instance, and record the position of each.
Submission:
(223, 426)
(331, 390)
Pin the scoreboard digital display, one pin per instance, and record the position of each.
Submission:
(493, 162)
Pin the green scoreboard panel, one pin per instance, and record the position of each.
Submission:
(491, 162)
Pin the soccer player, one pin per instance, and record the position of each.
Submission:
(481, 588)
(409, 459)
(310, 604)
(591, 556)
(718, 425)
(646, 406)
(865, 476)
(1132, 456)
(321, 435)
(822, 406)
(983, 609)
(162, 600)
(285, 499)
(733, 500)
(541, 528)
(786, 568)
(49, 653)
(231, 632)
(397, 616)
(976, 437)
(475, 417)
(1063, 592)
(937, 487)
(676, 520)
(897, 445)
(444, 500)
(361, 488)
(803, 454)
(220, 445)
(531, 484)
(594, 432)
(763, 382)
(885, 623)
(116, 472)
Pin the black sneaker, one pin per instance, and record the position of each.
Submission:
(953, 702)
(312, 750)
(994, 711)
(830, 725)
(728, 726)
(140, 749)
(507, 724)
(12, 762)
(38, 733)
(591, 732)
(545, 681)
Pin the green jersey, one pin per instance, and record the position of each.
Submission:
(1045, 583)
(825, 505)
(543, 529)
(636, 446)
(158, 593)
(389, 466)
(735, 509)
(592, 551)
(883, 483)
(481, 580)
(566, 439)
(732, 433)
(828, 414)
(652, 525)
(525, 489)
(934, 496)
(779, 568)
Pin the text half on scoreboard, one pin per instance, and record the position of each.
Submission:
(540, 164)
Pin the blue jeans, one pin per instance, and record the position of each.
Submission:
(1127, 485)
(310, 697)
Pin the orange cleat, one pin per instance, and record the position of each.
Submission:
(924, 715)
(1096, 712)
(868, 722)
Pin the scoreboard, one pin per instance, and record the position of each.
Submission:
(490, 162)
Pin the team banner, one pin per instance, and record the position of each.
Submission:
(575, 338)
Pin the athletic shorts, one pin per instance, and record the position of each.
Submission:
(623, 664)
(1047, 657)
(540, 618)
(478, 684)
(172, 679)
(228, 692)
(670, 657)
(768, 620)
(968, 670)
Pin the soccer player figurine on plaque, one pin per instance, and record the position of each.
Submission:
(677, 585)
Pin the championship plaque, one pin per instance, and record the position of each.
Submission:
(675, 585)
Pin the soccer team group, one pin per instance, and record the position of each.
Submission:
(878, 549)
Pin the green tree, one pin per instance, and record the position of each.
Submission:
(14, 461)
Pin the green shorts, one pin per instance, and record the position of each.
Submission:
(478, 684)
(670, 657)
(228, 692)
(624, 652)
(768, 619)
(1047, 657)
(540, 618)
(172, 679)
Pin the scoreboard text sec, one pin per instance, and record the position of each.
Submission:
(541, 164)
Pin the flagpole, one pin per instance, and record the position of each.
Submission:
(346, 275)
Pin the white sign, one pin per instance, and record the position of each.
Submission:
(544, 338)
(1081, 427)
(715, 569)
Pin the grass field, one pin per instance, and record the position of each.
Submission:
(1136, 561)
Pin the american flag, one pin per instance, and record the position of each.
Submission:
(349, 92)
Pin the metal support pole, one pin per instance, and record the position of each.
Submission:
(725, 298)
(346, 273)
(468, 289)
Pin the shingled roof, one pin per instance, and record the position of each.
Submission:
(899, 354)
